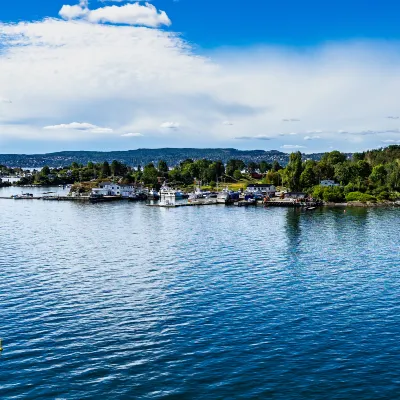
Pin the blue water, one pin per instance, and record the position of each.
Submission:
(124, 301)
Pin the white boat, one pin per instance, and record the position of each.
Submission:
(196, 195)
(223, 197)
(167, 196)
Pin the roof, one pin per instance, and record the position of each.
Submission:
(259, 185)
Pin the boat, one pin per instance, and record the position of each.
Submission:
(153, 194)
(167, 196)
(223, 196)
(196, 195)
(179, 195)
(167, 191)
(28, 196)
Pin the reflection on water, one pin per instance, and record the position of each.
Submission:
(120, 300)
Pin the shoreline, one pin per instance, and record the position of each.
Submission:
(360, 204)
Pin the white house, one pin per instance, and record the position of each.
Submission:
(116, 189)
(99, 192)
(264, 188)
(328, 183)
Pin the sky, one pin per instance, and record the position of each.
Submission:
(115, 75)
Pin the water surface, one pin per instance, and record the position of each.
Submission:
(121, 301)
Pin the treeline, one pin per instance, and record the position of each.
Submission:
(369, 176)
(207, 171)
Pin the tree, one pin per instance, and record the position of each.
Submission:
(237, 175)
(378, 174)
(162, 166)
(45, 171)
(293, 171)
(333, 158)
(272, 177)
(276, 166)
(150, 174)
(308, 178)
(265, 167)
(393, 175)
(344, 172)
(234, 165)
(363, 169)
(252, 167)
(105, 169)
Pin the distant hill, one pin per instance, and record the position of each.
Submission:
(144, 156)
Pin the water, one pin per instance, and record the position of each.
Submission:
(124, 301)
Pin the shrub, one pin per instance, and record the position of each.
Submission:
(329, 194)
(358, 196)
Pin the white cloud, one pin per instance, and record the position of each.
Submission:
(170, 125)
(257, 137)
(292, 146)
(73, 12)
(312, 137)
(228, 123)
(132, 78)
(133, 134)
(79, 126)
(390, 141)
(129, 14)
(4, 100)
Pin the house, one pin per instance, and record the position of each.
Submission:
(99, 192)
(295, 195)
(328, 183)
(264, 188)
(256, 175)
(116, 189)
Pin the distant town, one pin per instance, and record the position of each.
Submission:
(134, 158)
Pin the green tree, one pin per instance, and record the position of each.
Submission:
(293, 171)
(252, 167)
(150, 175)
(276, 166)
(105, 169)
(378, 174)
(45, 171)
(333, 158)
(233, 165)
(308, 178)
(162, 166)
(265, 167)
(237, 175)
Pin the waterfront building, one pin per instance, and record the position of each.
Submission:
(116, 189)
(264, 188)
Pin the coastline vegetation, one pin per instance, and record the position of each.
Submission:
(372, 176)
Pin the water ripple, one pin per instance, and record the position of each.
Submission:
(126, 301)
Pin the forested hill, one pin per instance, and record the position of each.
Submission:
(144, 156)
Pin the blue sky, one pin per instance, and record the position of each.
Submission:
(210, 23)
(281, 75)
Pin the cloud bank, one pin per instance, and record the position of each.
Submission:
(128, 78)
